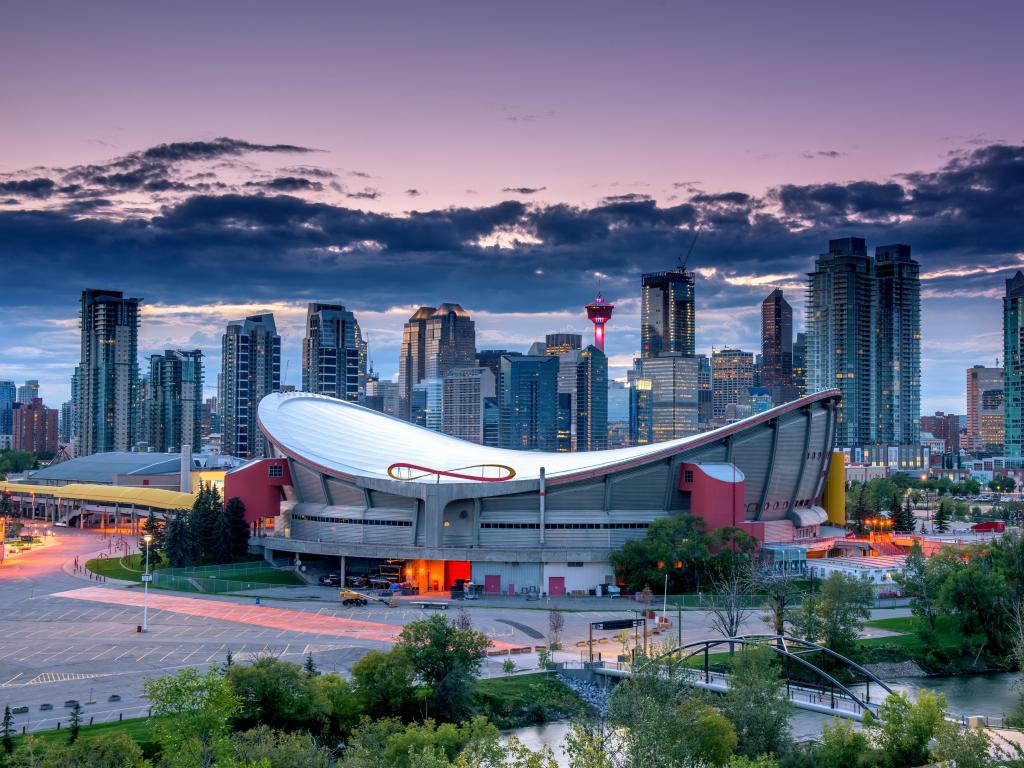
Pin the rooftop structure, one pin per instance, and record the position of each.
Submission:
(599, 312)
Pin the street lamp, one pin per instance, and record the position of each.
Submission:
(145, 586)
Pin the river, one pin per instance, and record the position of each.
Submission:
(992, 695)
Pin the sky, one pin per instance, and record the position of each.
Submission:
(221, 159)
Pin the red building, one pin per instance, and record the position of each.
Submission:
(35, 428)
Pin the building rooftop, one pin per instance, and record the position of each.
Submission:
(102, 467)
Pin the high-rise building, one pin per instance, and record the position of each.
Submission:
(732, 376)
(462, 409)
(413, 359)
(705, 393)
(333, 353)
(529, 402)
(108, 372)
(450, 342)
(943, 426)
(800, 364)
(250, 369)
(8, 397)
(984, 430)
(777, 348)
(565, 428)
(666, 403)
(210, 417)
(899, 345)
(382, 395)
(667, 313)
(66, 423)
(864, 338)
(1013, 370)
(842, 318)
(35, 428)
(28, 391)
(557, 343)
(174, 401)
(592, 400)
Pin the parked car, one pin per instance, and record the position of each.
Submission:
(331, 580)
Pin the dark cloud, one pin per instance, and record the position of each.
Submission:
(38, 188)
(208, 150)
(629, 197)
(308, 170)
(412, 192)
(830, 154)
(523, 190)
(287, 184)
(366, 194)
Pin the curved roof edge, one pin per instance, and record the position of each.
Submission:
(346, 440)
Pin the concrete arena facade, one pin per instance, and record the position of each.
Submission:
(553, 526)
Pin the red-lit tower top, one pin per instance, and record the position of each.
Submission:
(600, 312)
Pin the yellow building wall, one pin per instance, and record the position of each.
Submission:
(206, 476)
(834, 497)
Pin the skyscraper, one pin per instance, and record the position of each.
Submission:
(413, 359)
(464, 395)
(333, 353)
(108, 372)
(777, 348)
(557, 343)
(599, 312)
(842, 317)
(800, 364)
(899, 345)
(732, 376)
(568, 396)
(1013, 362)
(665, 401)
(984, 409)
(450, 341)
(28, 391)
(591, 400)
(250, 370)
(667, 313)
(174, 401)
(35, 428)
(529, 402)
(8, 397)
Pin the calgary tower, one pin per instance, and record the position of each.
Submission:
(600, 312)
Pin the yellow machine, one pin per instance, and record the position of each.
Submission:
(351, 597)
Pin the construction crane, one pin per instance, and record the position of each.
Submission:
(696, 235)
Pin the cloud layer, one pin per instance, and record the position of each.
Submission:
(194, 227)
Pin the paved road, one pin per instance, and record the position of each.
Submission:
(64, 636)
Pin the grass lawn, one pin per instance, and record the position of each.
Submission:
(126, 568)
(136, 727)
(130, 568)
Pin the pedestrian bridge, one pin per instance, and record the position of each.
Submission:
(690, 664)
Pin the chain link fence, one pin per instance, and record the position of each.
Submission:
(218, 579)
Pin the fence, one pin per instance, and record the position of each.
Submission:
(218, 579)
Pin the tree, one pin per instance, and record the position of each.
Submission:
(962, 747)
(508, 667)
(903, 728)
(278, 692)
(75, 724)
(1002, 484)
(756, 703)
(192, 713)
(280, 749)
(384, 682)
(343, 706)
(781, 597)
(7, 730)
(238, 529)
(447, 660)
(310, 665)
(976, 596)
(843, 745)
(902, 515)
(728, 603)
(179, 541)
(913, 580)
(6, 510)
(556, 622)
(943, 515)
(105, 750)
(858, 507)
(154, 529)
(590, 743)
(835, 616)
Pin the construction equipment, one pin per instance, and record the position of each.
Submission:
(351, 597)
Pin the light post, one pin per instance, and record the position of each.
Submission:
(145, 587)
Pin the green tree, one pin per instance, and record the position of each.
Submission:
(447, 660)
(914, 582)
(943, 514)
(835, 615)
(6, 509)
(781, 597)
(310, 665)
(179, 541)
(278, 692)
(191, 715)
(903, 728)
(152, 528)
(903, 519)
(590, 743)
(7, 730)
(1002, 484)
(843, 745)
(75, 723)
(280, 749)
(238, 529)
(962, 747)
(756, 703)
(105, 750)
(975, 594)
(343, 706)
(384, 683)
